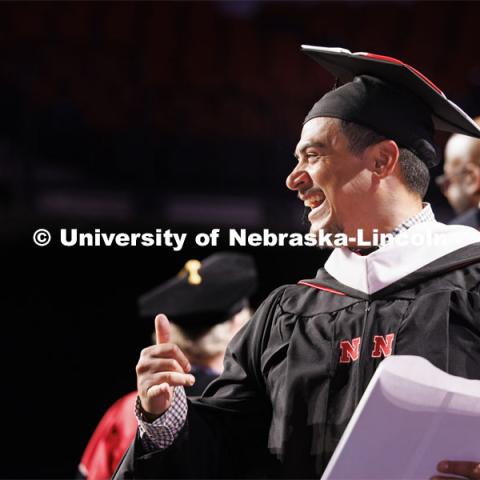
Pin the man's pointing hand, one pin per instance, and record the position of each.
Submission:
(160, 368)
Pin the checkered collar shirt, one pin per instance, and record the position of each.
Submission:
(425, 215)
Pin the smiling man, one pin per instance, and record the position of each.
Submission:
(349, 175)
(294, 376)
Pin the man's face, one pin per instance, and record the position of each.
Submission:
(329, 179)
(457, 173)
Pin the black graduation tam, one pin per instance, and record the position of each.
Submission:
(390, 97)
(204, 293)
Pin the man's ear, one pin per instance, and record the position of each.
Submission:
(383, 157)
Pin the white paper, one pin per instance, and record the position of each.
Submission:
(411, 416)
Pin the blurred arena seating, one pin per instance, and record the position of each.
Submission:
(154, 99)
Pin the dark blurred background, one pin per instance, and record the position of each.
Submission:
(135, 116)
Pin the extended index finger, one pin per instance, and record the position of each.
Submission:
(162, 329)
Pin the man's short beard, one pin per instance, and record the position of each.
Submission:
(333, 230)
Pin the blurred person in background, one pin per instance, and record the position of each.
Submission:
(460, 182)
(208, 303)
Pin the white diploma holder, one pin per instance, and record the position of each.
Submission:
(411, 416)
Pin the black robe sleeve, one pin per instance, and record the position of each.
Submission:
(226, 433)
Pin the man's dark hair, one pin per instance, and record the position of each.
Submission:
(414, 172)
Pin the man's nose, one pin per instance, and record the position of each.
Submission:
(298, 180)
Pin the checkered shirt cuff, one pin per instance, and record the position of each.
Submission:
(162, 432)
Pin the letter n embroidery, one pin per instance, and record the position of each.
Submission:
(350, 351)
(382, 345)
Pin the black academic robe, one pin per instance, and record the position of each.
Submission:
(203, 377)
(296, 372)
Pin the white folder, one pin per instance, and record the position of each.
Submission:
(411, 416)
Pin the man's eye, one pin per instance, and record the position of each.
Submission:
(312, 156)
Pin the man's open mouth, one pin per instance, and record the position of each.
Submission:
(316, 202)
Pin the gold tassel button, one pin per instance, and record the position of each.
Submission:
(191, 269)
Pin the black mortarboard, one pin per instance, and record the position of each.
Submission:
(390, 97)
(204, 293)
